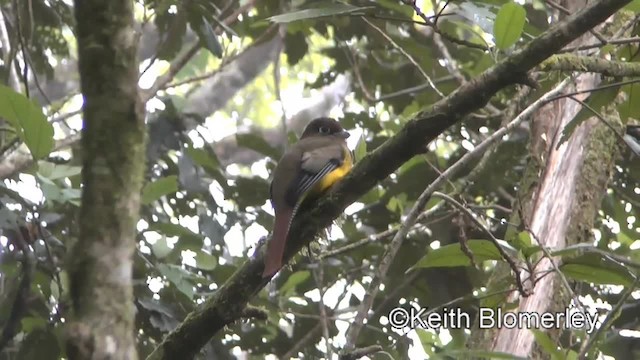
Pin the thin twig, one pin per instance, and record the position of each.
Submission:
(566, 11)
(598, 88)
(430, 23)
(379, 236)
(13, 79)
(361, 352)
(598, 116)
(312, 333)
(25, 54)
(19, 308)
(624, 41)
(318, 275)
(406, 54)
(278, 88)
(563, 278)
(181, 60)
(492, 238)
(611, 316)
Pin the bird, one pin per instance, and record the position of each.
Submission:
(306, 170)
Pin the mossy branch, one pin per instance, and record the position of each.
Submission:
(568, 62)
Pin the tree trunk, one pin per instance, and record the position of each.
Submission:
(559, 197)
(113, 137)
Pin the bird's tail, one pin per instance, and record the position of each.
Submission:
(275, 247)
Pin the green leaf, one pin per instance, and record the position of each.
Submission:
(333, 9)
(294, 280)
(159, 188)
(39, 344)
(477, 354)
(257, 144)
(208, 161)
(31, 323)
(208, 37)
(547, 345)
(178, 277)
(595, 274)
(523, 240)
(361, 149)
(427, 340)
(596, 101)
(160, 248)
(170, 229)
(226, 28)
(295, 46)
(452, 255)
(572, 250)
(206, 261)
(57, 171)
(630, 108)
(28, 120)
(633, 6)
(509, 25)
(55, 193)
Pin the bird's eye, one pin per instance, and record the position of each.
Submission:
(323, 130)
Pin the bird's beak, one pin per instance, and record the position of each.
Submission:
(343, 134)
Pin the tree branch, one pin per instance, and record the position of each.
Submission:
(226, 305)
(19, 308)
(567, 62)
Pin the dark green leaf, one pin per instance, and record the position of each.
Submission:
(170, 229)
(509, 24)
(39, 344)
(28, 120)
(31, 323)
(160, 248)
(630, 108)
(258, 144)
(206, 261)
(361, 149)
(333, 9)
(209, 38)
(159, 188)
(596, 101)
(294, 280)
(543, 340)
(203, 158)
(57, 171)
(295, 46)
(178, 277)
(227, 29)
(452, 255)
(596, 274)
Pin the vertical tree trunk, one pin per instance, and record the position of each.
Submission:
(113, 138)
(559, 197)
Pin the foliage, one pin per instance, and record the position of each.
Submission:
(201, 219)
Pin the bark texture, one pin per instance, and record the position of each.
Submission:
(113, 137)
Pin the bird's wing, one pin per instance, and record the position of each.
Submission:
(316, 163)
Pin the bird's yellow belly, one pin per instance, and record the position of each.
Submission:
(337, 174)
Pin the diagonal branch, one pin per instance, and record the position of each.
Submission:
(226, 305)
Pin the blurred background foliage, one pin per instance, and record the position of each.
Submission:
(227, 85)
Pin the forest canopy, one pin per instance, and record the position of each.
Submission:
(496, 148)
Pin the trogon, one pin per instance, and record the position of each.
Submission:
(306, 170)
